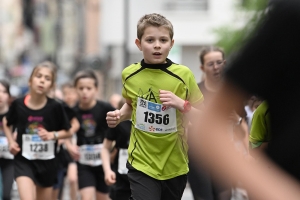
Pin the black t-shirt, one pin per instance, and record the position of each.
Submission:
(52, 117)
(1, 125)
(69, 111)
(120, 134)
(63, 156)
(93, 123)
(269, 66)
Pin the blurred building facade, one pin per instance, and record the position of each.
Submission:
(62, 31)
(100, 34)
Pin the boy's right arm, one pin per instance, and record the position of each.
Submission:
(110, 176)
(113, 118)
(13, 145)
(72, 149)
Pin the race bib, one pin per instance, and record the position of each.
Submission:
(90, 155)
(4, 150)
(34, 148)
(154, 117)
(123, 157)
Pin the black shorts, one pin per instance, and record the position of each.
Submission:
(91, 177)
(61, 173)
(42, 172)
(147, 188)
(7, 172)
(121, 189)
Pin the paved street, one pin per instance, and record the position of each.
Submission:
(186, 196)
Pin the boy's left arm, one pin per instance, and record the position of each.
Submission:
(170, 99)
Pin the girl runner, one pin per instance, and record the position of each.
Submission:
(40, 121)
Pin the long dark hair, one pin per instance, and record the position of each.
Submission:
(6, 85)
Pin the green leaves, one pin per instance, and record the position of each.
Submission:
(232, 37)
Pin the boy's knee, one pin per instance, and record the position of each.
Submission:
(73, 180)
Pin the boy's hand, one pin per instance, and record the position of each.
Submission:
(113, 118)
(45, 135)
(110, 177)
(74, 151)
(170, 99)
(14, 148)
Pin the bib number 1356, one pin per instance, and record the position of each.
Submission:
(154, 117)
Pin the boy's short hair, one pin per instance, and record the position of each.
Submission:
(68, 84)
(86, 73)
(156, 20)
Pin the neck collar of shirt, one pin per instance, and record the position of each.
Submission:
(157, 66)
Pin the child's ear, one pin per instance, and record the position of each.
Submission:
(138, 44)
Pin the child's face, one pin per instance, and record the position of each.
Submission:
(4, 97)
(86, 90)
(213, 65)
(70, 96)
(41, 81)
(155, 44)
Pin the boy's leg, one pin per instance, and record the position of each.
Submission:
(44, 192)
(87, 193)
(173, 188)
(144, 187)
(101, 188)
(86, 182)
(26, 188)
(102, 196)
(58, 185)
(73, 180)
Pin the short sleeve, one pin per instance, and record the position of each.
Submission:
(12, 116)
(62, 119)
(69, 111)
(124, 92)
(111, 134)
(194, 94)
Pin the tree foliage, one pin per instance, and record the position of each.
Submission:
(230, 37)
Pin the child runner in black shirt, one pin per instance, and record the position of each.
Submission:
(70, 98)
(63, 156)
(118, 176)
(40, 121)
(91, 115)
(6, 158)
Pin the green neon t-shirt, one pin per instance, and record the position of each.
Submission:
(158, 141)
(260, 128)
